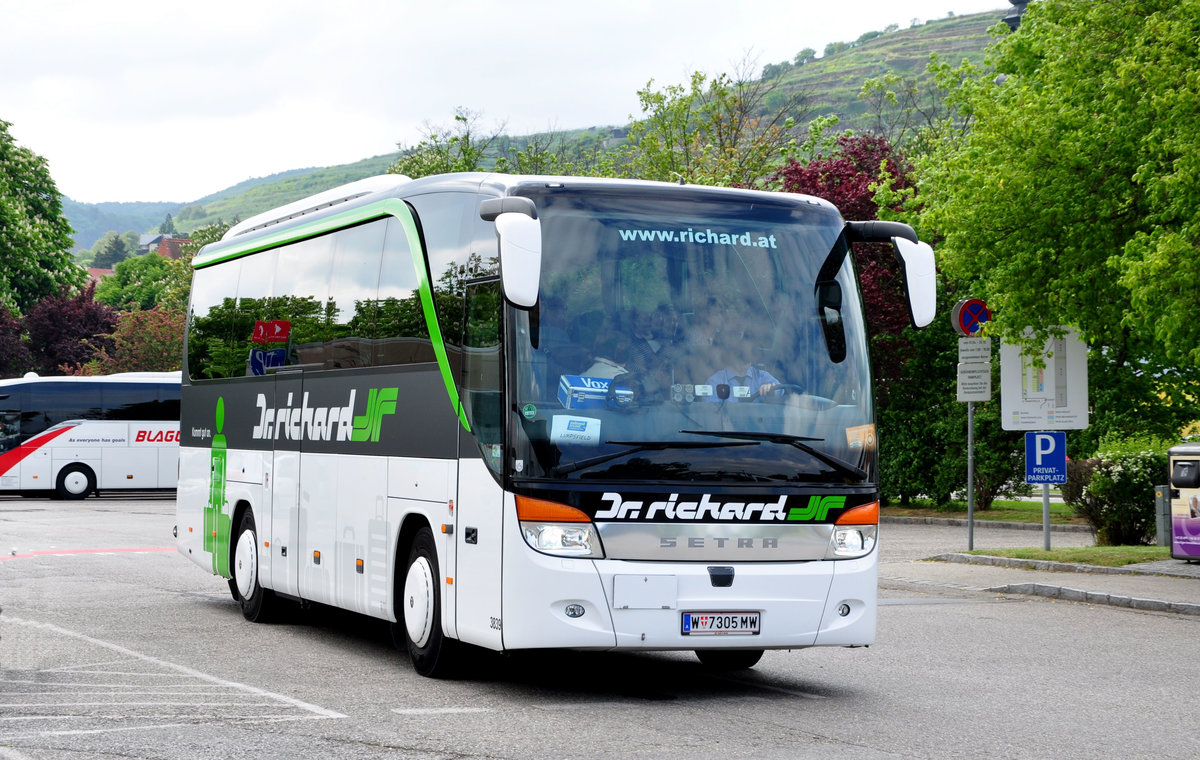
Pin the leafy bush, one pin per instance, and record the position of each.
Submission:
(1114, 490)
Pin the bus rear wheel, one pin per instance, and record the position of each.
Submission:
(75, 481)
(419, 611)
(729, 659)
(258, 603)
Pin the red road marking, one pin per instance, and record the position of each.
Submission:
(61, 552)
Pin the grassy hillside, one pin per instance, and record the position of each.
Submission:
(257, 195)
(830, 84)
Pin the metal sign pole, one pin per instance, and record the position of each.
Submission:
(970, 476)
(1046, 516)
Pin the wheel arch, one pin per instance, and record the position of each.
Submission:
(241, 507)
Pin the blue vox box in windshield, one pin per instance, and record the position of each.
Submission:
(579, 392)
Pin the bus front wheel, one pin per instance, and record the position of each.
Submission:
(419, 611)
(75, 481)
(257, 602)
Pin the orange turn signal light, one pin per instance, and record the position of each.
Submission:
(540, 510)
(864, 514)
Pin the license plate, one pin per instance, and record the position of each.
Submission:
(718, 623)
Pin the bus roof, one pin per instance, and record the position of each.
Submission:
(335, 207)
(120, 377)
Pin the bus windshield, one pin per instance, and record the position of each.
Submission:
(691, 338)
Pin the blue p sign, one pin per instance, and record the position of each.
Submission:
(1045, 457)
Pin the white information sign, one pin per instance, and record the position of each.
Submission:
(974, 382)
(1053, 396)
(974, 350)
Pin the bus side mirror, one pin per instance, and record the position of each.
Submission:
(920, 279)
(520, 257)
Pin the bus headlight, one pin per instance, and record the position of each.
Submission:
(562, 539)
(852, 541)
(854, 532)
(557, 529)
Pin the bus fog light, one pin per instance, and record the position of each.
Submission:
(574, 610)
(562, 539)
(843, 609)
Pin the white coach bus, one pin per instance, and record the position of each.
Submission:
(531, 412)
(72, 436)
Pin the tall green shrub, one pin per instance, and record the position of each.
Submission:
(1118, 499)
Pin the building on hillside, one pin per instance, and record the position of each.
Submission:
(167, 247)
(96, 275)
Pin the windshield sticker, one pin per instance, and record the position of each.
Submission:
(529, 411)
(861, 437)
(576, 431)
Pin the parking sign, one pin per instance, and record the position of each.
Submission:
(1046, 457)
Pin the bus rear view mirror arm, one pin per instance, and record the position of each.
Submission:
(520, 257)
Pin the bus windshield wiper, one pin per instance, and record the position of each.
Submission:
(637, 446)
(799, 441)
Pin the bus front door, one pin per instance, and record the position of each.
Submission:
(282, 494)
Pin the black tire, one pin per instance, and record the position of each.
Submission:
(419, 611)
(729, 659)
(75, 481)
(258, 604)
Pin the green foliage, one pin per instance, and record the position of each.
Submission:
(716, 131)
(35, 238)
(1118, 499)
(138, 282)
(177, 281)
(110, 250)
(444, 150)
(1065, 181)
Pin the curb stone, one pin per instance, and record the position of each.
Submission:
(1071, 594)
(1091, 597)
(983, 524)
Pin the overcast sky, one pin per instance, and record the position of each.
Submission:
(136, 100)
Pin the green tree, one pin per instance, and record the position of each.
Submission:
(446, 149)
(110, 250)
(1074, 188)
(143, 341)
(35, 238)
(804, 56)
(168, 227)
(714, 131)
(137, 282)
(177, 282)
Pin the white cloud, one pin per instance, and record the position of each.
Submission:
(138, 100)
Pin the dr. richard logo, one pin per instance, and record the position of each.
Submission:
(709, 509)
(690, 509)
(325, 423)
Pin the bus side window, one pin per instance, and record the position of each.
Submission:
(351, 308)
(400, 334)
(253, 306)
(210, 323)
(298, 298)
(10, 428)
